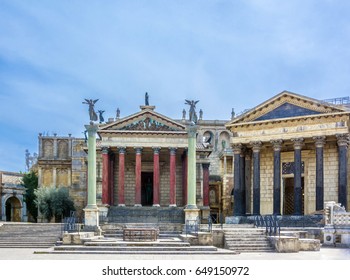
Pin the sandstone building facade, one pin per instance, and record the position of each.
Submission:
(285, 156)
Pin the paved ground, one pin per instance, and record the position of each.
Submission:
(323, 254)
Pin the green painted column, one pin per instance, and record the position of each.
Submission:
(91, 129)
(191, 168)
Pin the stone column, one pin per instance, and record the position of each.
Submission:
(70, 146)
(191, 211)
(172, 177)
(184, 178)
(298, 143)
(55, 147)
(319, 143)
(105, 176)
(343, 142)
(138, 176)
(256, 176)
(69, 177)
(237, 188)
(91, 210)
(225, 165)
(205, 167)
(121, 177)
(111, 178)
(243, 179)
(277, 146)
(156, 177)
(54, 176)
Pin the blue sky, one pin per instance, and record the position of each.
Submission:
(227, 54)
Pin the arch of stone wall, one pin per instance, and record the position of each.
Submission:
(224, 136)
(23, 206)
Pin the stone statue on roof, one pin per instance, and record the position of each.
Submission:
(92, 113)
(146, 99)
(100, 112)
(192, 112)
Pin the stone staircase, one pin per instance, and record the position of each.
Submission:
(169, 242)
(28, 235)
(246, 239)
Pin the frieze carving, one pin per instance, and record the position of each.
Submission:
(148, 124)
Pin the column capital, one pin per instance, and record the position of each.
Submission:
(122, 150)
(342, 139)
(298, 143)
(256, 146)
(319, 141)
(237, 148)
(138, 150)
(205, 165)
(105, 150)
(277, 144)
(172, 150)
(192, 130)
(156, 150)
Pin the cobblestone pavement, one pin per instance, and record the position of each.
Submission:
(323, 254)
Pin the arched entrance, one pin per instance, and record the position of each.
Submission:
(13, 209)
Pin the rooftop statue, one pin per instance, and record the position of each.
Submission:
(100, 112)
(146, 99)
(192, 111)
(92, 113)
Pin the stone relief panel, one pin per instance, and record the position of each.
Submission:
(62, 177)
(47, 180)
(48, 149)
(62, 149)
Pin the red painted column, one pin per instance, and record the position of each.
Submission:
(184, 178)
(111, 179)
(205, 167)
(172, 177)
(138, 177)
(156, 174)
(105, 176)
(121, 177)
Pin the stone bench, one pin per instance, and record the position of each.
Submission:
(140, 234)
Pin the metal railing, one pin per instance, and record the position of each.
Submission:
(72, 223)
(192, 226)
(270, 222)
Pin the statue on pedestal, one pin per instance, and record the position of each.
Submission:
(192, 111)
(92, 113)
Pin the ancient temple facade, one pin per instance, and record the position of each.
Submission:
(288, 156)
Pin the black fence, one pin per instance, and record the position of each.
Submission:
(72, 223)
(270, 223)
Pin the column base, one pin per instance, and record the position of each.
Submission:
(172, 205)
(121, 205)
(156, 205)
(137, 205)
(191, 214)
(92, 219)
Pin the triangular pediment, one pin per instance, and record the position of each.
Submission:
(286, 105)
(145, 121)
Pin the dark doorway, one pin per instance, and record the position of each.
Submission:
(147, 188)
(13, 210)
(288, 198)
